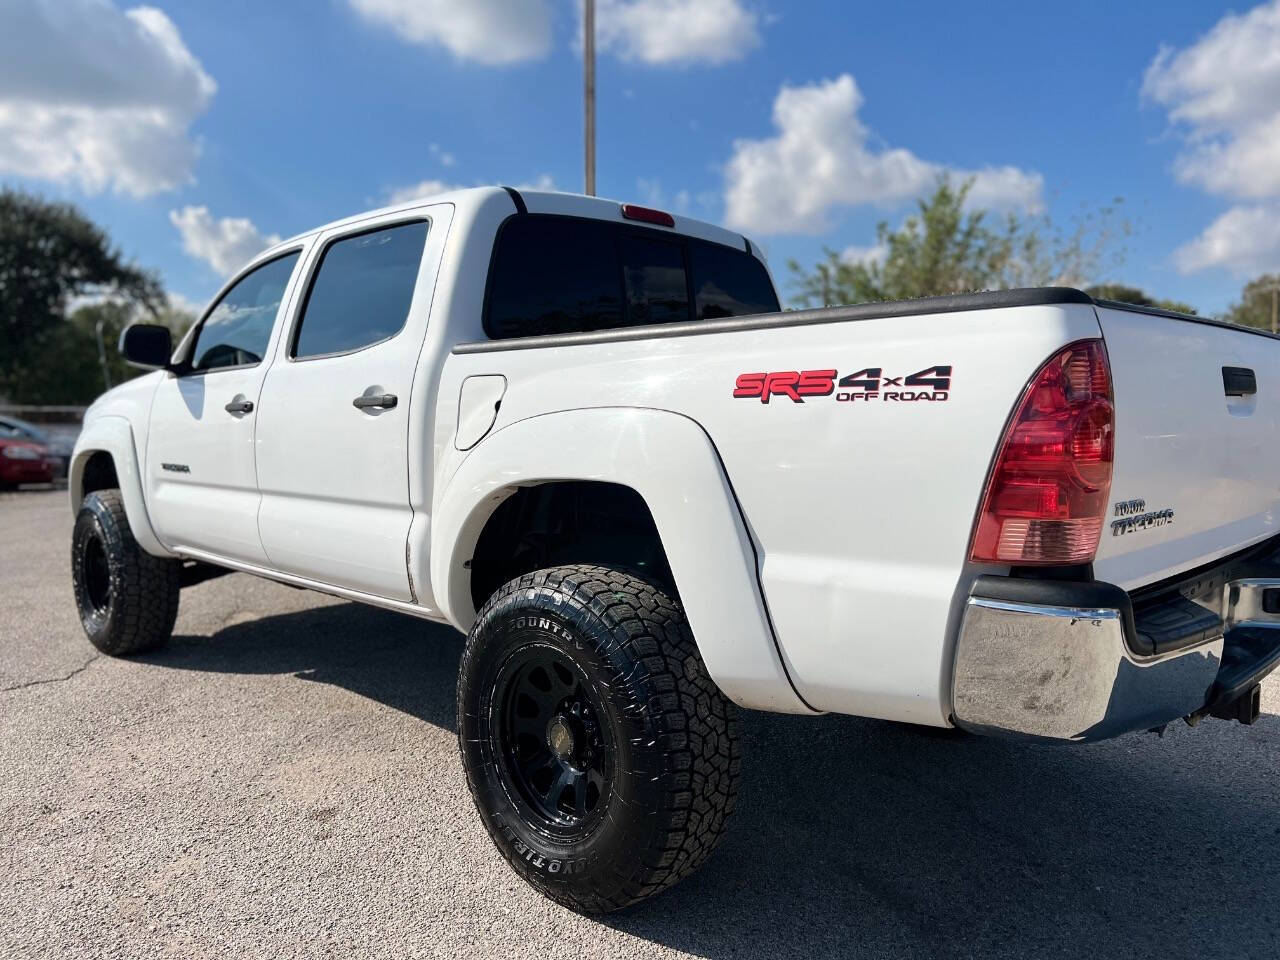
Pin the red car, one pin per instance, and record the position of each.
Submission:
(24, 462)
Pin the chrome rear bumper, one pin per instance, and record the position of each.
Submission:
(1069, 671)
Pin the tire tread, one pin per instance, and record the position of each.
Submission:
(699, 728)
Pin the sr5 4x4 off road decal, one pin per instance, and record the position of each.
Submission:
(932, 384)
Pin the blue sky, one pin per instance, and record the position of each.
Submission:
(195, 132)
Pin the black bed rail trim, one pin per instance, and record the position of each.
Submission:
(957, 303)
(518, 200)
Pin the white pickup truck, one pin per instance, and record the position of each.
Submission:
(584, 434)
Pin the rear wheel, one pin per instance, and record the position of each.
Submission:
(601, 756)
(127, 599)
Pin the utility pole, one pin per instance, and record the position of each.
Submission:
(589, 93)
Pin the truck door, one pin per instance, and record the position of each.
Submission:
(333, 466)
(201, 488)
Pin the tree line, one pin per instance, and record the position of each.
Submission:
(63, 284)
(946, 246)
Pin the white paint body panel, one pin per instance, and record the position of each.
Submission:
(1182, 444)
(819, 547)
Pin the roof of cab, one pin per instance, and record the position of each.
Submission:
(541, 201)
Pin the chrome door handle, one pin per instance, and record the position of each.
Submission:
(239, 406)
(380, 401)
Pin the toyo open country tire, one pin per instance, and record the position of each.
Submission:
(128, 599)
(601, 756)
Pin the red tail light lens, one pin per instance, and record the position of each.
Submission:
(1047, 495)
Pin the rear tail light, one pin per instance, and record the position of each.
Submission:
(1047, 494)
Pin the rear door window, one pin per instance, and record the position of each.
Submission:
(362, 291)
(553, 274)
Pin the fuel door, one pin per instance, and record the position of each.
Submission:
(478, 403)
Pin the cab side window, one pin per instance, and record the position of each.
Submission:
(238, 328)
(361, 292)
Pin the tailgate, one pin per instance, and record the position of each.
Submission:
(1197, 456)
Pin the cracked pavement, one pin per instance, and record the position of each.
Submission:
(283, 780)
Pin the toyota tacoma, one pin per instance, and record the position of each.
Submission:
(584, 434)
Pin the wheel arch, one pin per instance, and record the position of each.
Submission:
(105, 456)
(670, 464)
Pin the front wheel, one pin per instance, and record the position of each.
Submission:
(601, 756)
(128, 599)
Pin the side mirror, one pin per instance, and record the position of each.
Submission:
(146, 345)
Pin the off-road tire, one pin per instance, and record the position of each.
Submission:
(127, 599)
(670, 735)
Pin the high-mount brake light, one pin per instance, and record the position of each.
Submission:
(1047, 495)
(648, 215)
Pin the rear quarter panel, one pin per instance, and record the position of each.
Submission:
(860, 512)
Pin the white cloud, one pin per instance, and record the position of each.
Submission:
(1223, 93)
(821, 160)
(184, 304)
(868, 255)
(492, 32)
(683, 32)
(98, 98)
(225, 244)
(1245, 240)
(445, 158)
(423, 188)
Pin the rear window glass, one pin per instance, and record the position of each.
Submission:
(727, 283)
(555, 274)
(552, 274)
(362, 290)
(657, 287)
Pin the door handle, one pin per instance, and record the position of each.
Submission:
(239, 406)
(1239, 382)
(379, 401)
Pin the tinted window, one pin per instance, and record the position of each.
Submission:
(562, 275)
(657, 289)
(729, 283)
(362, 290)
(238, 328)
(553, 274)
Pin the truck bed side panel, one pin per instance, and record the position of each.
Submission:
(861, 510)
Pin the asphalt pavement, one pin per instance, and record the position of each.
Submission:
(283, 780)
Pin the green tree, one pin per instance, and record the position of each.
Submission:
(70, 369)
(49, 255)
(1259, 304)
(1117, 291)
(945, 246)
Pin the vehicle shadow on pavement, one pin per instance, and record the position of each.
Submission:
(863, 838)
(405, 663)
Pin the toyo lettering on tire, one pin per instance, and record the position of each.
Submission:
(601, 756)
